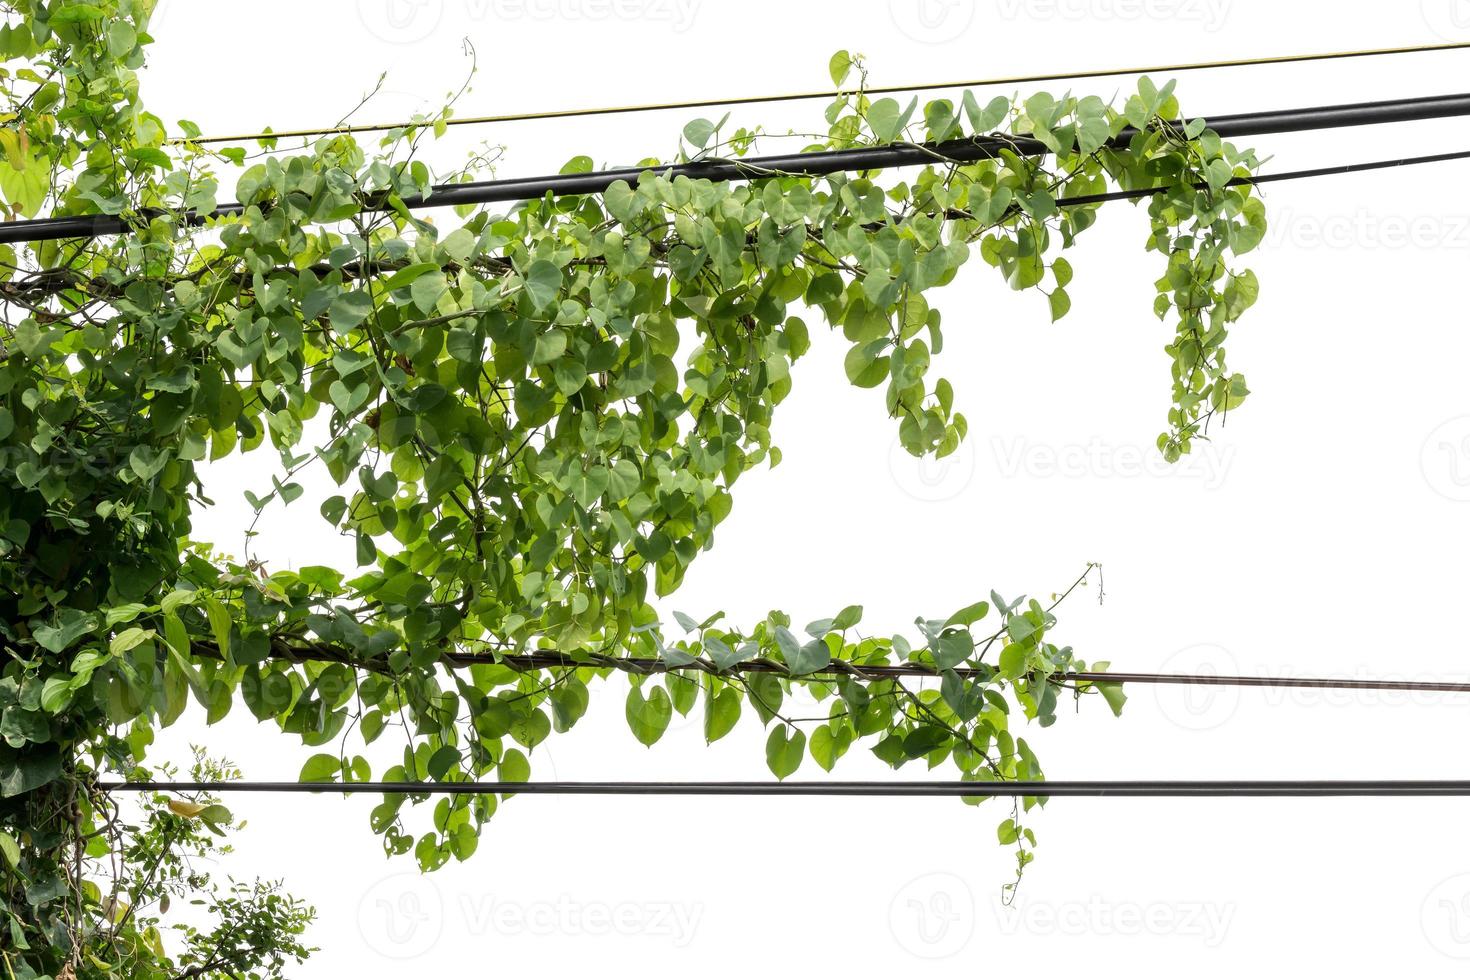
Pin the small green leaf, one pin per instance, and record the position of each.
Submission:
(72, 625)
(838, 66)
(722, 653)
(543, 282)
(56, 693)
(986, 120)
(29, 770)
(970, 614)
(783, 751)
(828, 744)
(1113, 694)
(814, 655)
(698, 132)
(128, 639)
(320, 768)
(1060, 303)
(952, 649)
(648, 717)
(1013, 661)
(549, 346)
(865, 366)
(673, 656)
(350, 308)
(885, 119)
(408, 275)
(427, 289)
(721, 712)
(1020, 628)
(219, 624)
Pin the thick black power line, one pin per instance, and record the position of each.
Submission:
(1108, 788)
(815, 164)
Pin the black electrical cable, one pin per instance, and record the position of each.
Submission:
(815, 164)
(1111, 788)
(1236, 680)
(553, 660)
(1333, 171)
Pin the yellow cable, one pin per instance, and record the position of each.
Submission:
(827, 94)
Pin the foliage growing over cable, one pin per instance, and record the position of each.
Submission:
(519, 459)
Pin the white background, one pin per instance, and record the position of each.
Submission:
(1321, 533)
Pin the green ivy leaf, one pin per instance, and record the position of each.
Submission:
(129, 639)
(71, 625)
(721, 712)
(349, 309)
(838, 66)
(952, 649)
(784, 751)
(723, 655)
(549, 346)
(812, 656)
(649, 717)
(543, 283)
(28, 769)
(1113, 694)
(320, 768)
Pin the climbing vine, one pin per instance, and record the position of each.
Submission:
(518, 459)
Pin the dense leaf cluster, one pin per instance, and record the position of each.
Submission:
(533, 421)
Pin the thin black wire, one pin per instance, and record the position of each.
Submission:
(828, 94)
(1333, 171)
(815, 164)
(543, 660)
(1235, 680)
(1022, 788)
